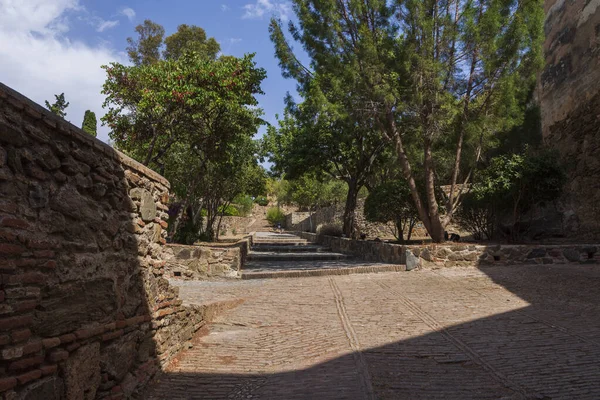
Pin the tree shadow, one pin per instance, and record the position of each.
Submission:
(536, 337)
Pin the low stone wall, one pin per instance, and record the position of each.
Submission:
(363, 249)
(200, 262)
(85, 310)
(502, 254)
(239, 224)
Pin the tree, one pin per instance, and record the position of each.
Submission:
(145, 50)
(59, 106)
(89, 123)
(392, 202)
(151, 45)
(190, 38)
(436, 78)
(509, 188)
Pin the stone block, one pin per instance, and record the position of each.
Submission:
(81, 372)
(50, 388)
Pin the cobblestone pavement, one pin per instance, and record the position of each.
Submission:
(527, 332)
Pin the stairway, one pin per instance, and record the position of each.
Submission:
(283, 255)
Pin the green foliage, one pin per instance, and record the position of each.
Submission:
(244, 204)
(510, 187)
(190, 38)
(275, 216)
(262, 201)
(90, 123)
(392, 202)
(145, 50)
(59, 106)
(436, 79)
(229, 210)
(188, 233)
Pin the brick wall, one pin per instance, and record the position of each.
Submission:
(85, 311)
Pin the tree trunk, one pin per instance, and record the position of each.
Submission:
(436, 230)
(400, 231)
(350, 210)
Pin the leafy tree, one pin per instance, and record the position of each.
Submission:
(145, 50)
(90, 123)
(190, 38)
(510, 188)
(437, 79)
(59, 106)
(392, 202)
(148, 47)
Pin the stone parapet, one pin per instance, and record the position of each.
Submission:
(85, 309)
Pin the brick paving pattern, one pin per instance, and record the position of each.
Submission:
(527, 332)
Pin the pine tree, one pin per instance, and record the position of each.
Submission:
(90, 123)
(59, 106)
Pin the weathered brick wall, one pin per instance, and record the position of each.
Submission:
(569, 89)
(85, 311)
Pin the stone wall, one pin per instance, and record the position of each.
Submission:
(569, 92)
(363, 249)
(239, 224)
(469, 254)
(85, 311)
(301, 221)
(199, 262)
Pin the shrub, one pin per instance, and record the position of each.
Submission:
(330, 230)
(262, 201)
(392, 202)
(229, 211)
(243, 204)
(275, 215)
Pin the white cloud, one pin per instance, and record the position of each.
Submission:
(234, 40)
(281, 9)
(38, 60)
(224, 7)
(103, 25)
(128, 12)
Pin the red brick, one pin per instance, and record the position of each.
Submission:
(4, 339)
(25, 363)
(110, 327)
(29, 376)
(112, 335)
(7, 236)
(29, 277)
(164, 224)
(21, 335)
(43, 254)
(7, 265)
(26, 305)
(68, 338)
(26, 262)
(50, 342)
(73, 347)
(49, 369)
(10, 208)
(120, 324)
(116, 389)
(41, 244)
(135, 320)
(7, 383)
(89, 332)
(11, 222)
(32, 347)
(10, 323)
(11, 249)
(58, 355)
(49, 264)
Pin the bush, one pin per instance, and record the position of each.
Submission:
(275, 216)
(330, 230)
(262, 201)
(229, 211)
(478, 216)
(243, 204)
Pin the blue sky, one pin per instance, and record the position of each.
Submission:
(54, 46)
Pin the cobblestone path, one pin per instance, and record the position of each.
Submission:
(528, 332)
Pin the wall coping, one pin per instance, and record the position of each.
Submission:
(38, 112)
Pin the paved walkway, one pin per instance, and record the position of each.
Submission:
(528, 332)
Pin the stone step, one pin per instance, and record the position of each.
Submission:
(306, 256)
(280, 242)
(285, 248)
(322, 269)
